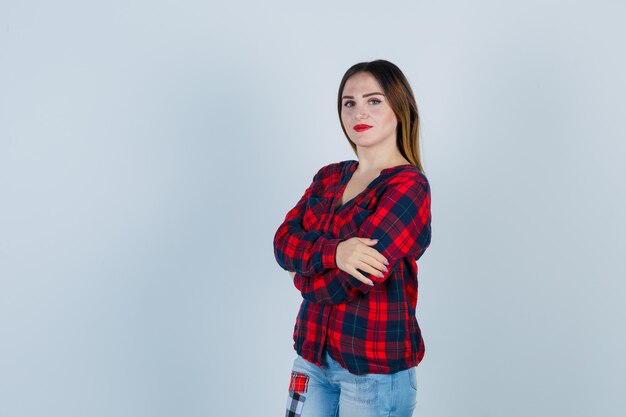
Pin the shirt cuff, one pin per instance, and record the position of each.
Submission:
(328, 253)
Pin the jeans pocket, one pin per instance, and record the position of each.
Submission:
(412, 377)
(366, 390)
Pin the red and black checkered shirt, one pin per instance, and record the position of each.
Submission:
(367, 329)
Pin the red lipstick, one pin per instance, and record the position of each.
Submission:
(361, 127)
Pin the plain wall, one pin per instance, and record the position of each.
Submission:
(149, 151)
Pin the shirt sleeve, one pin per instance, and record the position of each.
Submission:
(308, 253)
(401, 222)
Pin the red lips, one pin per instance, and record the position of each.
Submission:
(360, 128)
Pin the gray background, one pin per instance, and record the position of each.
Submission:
(149, 151)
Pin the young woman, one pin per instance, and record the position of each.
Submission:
(351, 244)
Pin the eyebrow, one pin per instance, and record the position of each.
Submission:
(364, 95)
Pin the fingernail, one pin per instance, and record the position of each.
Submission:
(380, 274)
(371, 284)
(386, 262)
(386, 270)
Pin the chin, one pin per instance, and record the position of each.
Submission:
(365, 142)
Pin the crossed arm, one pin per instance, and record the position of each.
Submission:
(306, 252)
(400, 222)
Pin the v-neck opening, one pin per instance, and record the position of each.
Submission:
(346, 179)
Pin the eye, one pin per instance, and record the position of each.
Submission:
(350, 103)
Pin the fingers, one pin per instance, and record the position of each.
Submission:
(367, 240)
(373, 252)
(366, 259)
(376, 259)
(369, 266)
(355, 273)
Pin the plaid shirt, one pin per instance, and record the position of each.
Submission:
(367, 329)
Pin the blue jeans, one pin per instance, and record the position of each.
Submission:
(332, 391)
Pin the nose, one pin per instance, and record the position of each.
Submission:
(361, 115)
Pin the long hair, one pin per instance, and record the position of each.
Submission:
(400, 97)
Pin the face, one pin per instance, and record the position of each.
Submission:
(364, 104)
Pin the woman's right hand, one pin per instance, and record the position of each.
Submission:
(356, 253)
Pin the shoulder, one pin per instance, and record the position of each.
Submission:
(408, 183)
(331, 169)
(409, 175)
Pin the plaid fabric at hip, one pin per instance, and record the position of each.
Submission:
(295, 402)
(299, 382)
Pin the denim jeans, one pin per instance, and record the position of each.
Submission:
(332, 391)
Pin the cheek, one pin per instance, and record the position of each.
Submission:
(345, 119)
(388, 118)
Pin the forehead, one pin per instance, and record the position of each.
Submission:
(360, 83)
